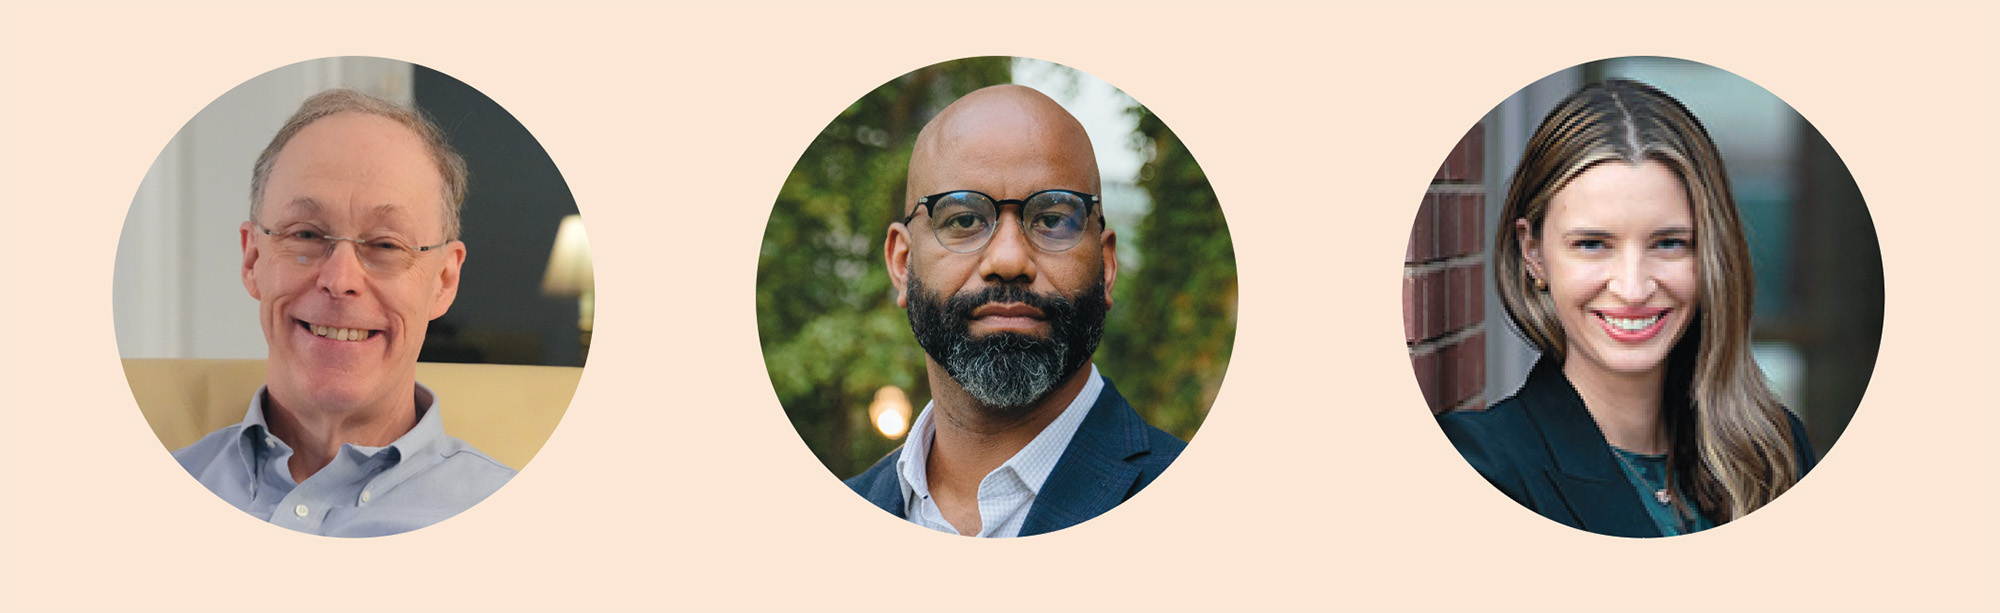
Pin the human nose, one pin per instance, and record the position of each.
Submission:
(342, 274)
(1008, 257)
(1633, 280)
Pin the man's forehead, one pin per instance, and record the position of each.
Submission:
(1000, 115)
(356, 164)
(1008, 133)
(363, 135)
(308, 207)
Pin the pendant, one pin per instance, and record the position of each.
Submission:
(1661, 495)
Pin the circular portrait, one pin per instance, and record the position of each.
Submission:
(996, 297)
(1643, 297)
(353, 297)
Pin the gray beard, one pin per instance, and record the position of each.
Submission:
(1006, 372)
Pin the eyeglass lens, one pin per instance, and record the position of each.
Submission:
(964, 221)
(310, 248)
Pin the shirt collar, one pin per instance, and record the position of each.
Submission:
(425, 436)
(1032, 464)
(910, 462)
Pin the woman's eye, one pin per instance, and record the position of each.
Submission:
(1588, 244)
(1672, 243)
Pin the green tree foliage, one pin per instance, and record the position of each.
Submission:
(1174, 321)
(830, 329)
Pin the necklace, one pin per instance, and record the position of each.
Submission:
(1659, 493)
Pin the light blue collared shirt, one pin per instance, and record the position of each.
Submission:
(422, 478)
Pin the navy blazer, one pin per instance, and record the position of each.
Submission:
(1542, 449)
(1113, 455)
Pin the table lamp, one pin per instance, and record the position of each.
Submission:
(570, 274)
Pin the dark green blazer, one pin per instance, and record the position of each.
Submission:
(1542, 449)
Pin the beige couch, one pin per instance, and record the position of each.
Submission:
(506, 411)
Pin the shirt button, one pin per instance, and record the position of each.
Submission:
(271, 441)
(301, 510)
(365, 495)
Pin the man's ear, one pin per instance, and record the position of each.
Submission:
(896, 254)
(454, 258)
(1531, 249)
(1110, 241)
(246, 233)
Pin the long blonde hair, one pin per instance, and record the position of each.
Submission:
(1730, 437)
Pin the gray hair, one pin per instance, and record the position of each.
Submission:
(450, 166)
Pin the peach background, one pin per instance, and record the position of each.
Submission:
(675, 481)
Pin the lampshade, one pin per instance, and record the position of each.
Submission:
(569, 262)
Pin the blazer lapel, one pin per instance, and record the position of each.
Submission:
(1094, 473)
(880, 485)
(1584, 474)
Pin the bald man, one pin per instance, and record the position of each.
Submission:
(1005, 266)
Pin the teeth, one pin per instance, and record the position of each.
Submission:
(1633, 325)
(339, 334)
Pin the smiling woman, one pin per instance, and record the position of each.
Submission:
(1620, 255)
(1613, 254)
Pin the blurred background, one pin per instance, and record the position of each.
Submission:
(524, 296)
(1818, 267)
(840, 353)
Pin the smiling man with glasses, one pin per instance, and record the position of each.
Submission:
(351, 250)
(1005, 266)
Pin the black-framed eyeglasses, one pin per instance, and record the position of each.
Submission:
(308, 246)
(963, 220)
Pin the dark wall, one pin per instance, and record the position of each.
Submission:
(1839, 271)
(513, 206)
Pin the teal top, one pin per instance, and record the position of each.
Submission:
(1648, 474)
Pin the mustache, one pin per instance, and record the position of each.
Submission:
(1007, 371)
(1053, 307)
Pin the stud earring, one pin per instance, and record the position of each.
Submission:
(1541, 286)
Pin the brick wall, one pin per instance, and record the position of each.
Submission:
(1444, 271)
